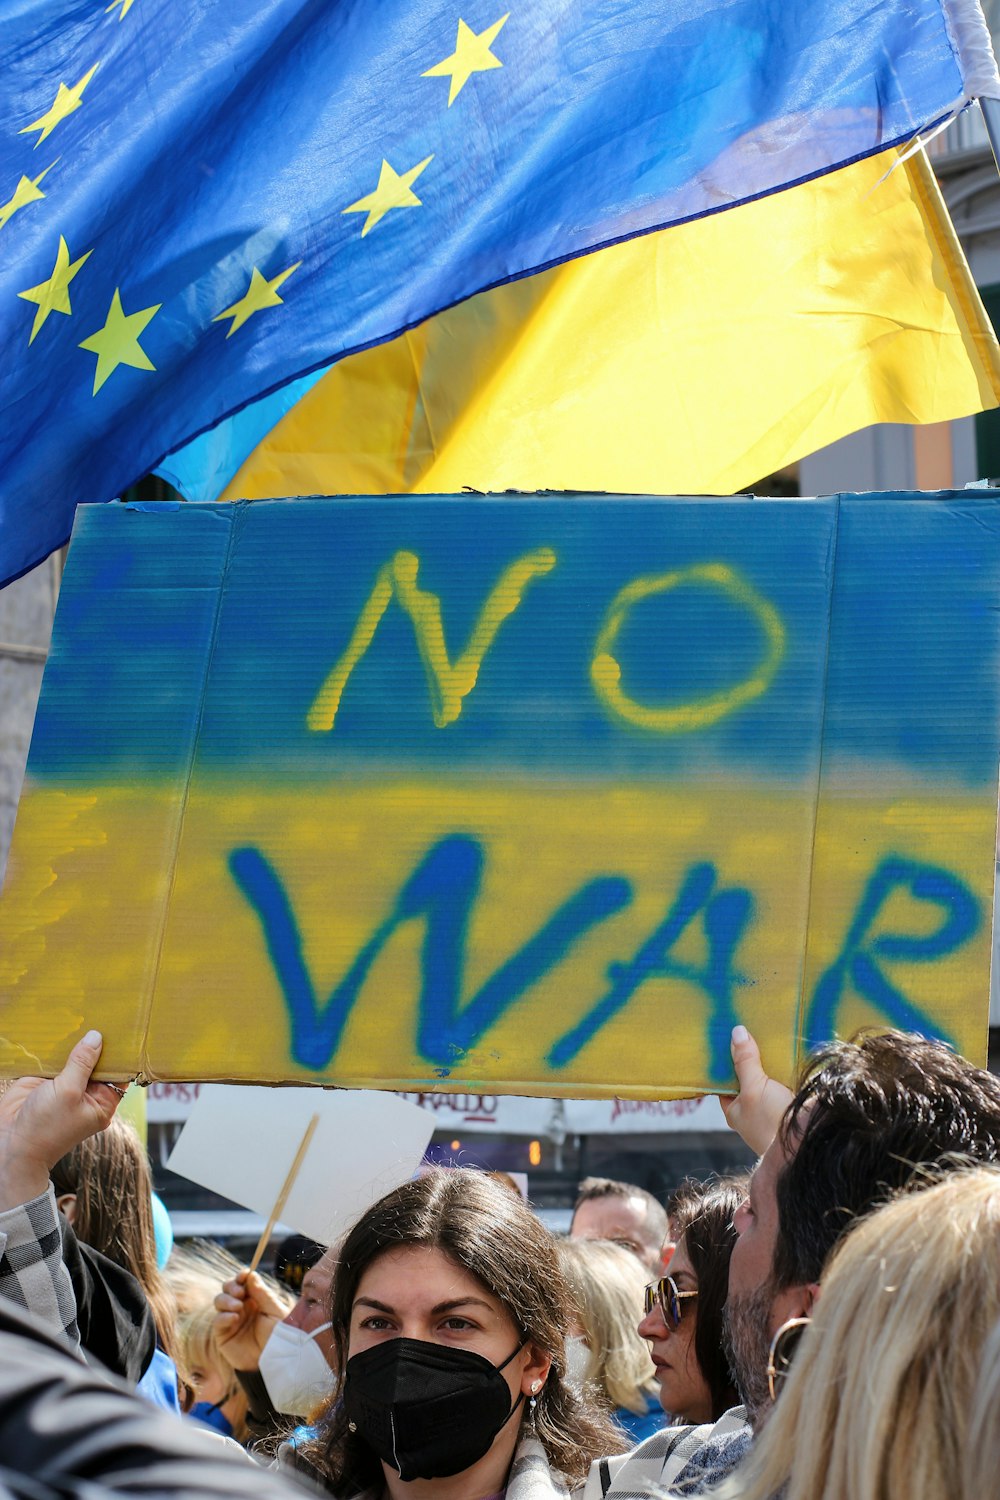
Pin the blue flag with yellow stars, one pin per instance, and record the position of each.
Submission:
(202, 201)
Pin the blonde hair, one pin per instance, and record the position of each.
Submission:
(607, 1283)
(877, 1403)
(982, 1447)
(197, 1270)
(194, 1275)
(199, 1350)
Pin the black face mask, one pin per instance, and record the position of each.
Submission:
(428, 1410)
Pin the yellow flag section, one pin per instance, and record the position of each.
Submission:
(695, 360)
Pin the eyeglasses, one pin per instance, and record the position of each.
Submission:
(665, 1295)
(779, 1356)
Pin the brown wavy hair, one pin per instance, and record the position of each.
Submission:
(479, 1225)
(110, 1177)
(702, 1214)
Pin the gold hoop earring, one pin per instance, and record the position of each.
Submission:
(779, 1356)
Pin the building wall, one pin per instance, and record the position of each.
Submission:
(26, 610)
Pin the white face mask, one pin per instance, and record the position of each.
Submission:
(577, 1363)
(295, 1371)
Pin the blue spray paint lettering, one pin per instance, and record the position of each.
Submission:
(858, 959)
(727, 914)
(443, 888)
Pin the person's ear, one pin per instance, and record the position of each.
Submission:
(66, 1204)
(794, 1302)
(535, 1371)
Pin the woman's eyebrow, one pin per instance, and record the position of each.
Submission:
(439, 1308)
(461, 1302)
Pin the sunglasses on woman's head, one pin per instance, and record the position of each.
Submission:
(665, 1295)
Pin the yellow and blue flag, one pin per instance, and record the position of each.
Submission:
(842, 302)
(201, 202)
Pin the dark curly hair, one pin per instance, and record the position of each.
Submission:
(869, 1117)
(702, 1214)
(480, 1225)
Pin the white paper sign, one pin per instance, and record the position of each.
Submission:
(241, 1141)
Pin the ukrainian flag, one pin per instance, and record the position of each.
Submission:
(692, 361)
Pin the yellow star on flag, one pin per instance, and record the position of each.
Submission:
(471, 55)
(53, 295)
(27, 191)
(66, 101)
(126, 6)
(117, 343)
(261, 293)
(393, 191)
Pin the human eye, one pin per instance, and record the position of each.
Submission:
(376, 1323)
(457, 1324)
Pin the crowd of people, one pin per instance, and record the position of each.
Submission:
(827, 1328)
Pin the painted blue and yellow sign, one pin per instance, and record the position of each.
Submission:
(539, 794)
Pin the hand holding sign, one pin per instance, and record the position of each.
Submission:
(43, 1118)
(247, 1312)
(755, 1112)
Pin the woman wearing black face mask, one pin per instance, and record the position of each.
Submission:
(449, 1315)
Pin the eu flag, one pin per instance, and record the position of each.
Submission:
(202, 201)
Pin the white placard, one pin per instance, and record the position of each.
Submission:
(241, 1141)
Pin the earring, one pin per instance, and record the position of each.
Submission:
(352, 1427)
(779, 1356)
(536, 1386)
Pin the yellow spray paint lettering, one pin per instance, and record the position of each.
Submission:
(606, 672)
(448, 683)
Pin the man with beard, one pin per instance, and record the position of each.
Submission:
(868, 1116)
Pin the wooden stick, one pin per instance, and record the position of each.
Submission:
(282, 1198)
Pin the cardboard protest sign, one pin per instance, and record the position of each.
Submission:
(240, 1142)
(514, 794)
